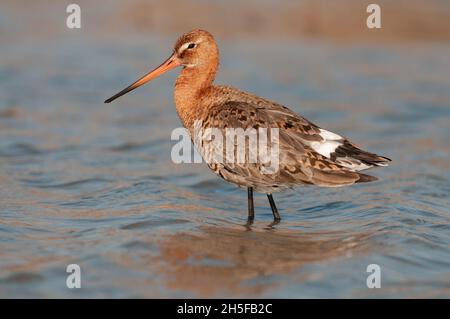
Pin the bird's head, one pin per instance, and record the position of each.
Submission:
(195, 49)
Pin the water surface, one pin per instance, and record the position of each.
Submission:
(93, 184)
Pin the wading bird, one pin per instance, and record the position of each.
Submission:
(308, 154)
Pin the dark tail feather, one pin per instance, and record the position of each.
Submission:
(351, 151)
(364, 178)
(375, 159)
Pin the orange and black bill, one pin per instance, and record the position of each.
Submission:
(169, 64)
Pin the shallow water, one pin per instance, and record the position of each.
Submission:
(93, 184)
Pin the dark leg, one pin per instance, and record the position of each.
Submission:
(276, 215)
(251, 207)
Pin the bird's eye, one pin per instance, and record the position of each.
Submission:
(191, 46)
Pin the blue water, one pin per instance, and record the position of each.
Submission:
(93, 184)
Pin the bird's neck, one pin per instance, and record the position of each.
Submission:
(190, 87)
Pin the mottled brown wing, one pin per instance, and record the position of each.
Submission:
(332, 146)
(298, 162)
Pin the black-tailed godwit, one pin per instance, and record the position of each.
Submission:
(307, 154)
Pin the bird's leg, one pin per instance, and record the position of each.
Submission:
(251, 207)
(276, 215)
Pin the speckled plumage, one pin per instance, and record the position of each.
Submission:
(308, 154)
(299, 163)
(224, 107)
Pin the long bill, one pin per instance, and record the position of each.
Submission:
(167, 65)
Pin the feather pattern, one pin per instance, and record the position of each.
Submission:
(307, 153)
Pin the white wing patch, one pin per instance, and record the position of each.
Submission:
(330, 143)
(327, 135)
(325, 148)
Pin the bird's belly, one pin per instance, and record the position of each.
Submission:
(250, 175)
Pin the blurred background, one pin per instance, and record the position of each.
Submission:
(93, 184)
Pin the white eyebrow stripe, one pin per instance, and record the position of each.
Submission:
(184, 47)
